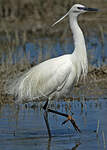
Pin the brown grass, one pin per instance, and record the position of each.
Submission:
(37, 15)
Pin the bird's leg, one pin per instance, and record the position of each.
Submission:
(69, 117)
(47, 124)
(46, 118)
(45, 106)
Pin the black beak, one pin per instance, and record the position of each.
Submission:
(88, 9)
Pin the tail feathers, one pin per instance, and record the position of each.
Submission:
(11, 86)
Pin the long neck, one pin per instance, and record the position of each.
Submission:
(79, 43)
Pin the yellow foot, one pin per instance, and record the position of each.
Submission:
(73, 122)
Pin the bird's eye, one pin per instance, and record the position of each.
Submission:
(80, 8)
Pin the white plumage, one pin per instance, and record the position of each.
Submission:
(55, 77)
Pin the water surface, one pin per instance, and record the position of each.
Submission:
(23, 126)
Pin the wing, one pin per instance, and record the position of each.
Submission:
(44, 79)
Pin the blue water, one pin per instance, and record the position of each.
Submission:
(23, 127)
(43, 49)
(97, 51)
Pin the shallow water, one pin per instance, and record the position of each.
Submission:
(23, 127)
(43, 49)
(37, 50)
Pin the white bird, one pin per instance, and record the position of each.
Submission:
(54, 78)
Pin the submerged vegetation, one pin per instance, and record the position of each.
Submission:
(27, 22)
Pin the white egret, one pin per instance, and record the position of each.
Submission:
(54, 78)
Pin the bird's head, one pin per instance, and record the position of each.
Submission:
(76, 10)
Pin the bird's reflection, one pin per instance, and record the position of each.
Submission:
(50, 145)
(76, 146)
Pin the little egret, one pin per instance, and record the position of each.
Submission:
(54, 78)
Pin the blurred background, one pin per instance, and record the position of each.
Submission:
(27, 38)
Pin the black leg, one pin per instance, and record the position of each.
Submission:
(45, 106)
(69, 117)
(46, 118)
(47, 124)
